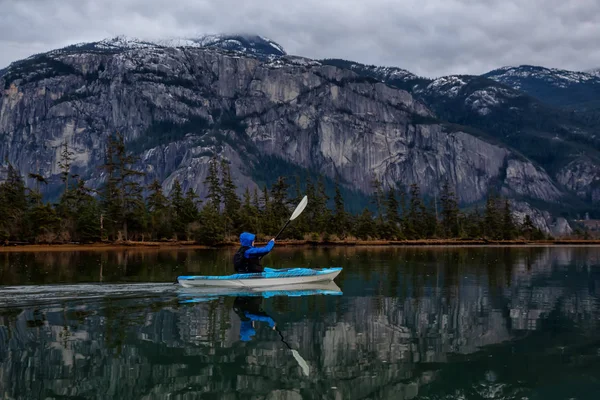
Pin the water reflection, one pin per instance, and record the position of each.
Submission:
(412, 323)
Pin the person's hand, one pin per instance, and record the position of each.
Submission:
(273, 240)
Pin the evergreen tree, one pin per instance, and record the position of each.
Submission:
(87, 220)
(122, 198)
(415, 223)
(340, 217)
(449, 203)
(322, 214)
(41, 222)
(256, 206)
(214, 185)
(13, 206)
(279, 203)
(66, 159)
(492, 219)
(365, 226)
(159, 212)
(429, 220)
(231, 200)
(176, 200)
(249, 214)
(393, 222)
(508, 225)
(378, 200)
(211, 229)
(267, 224)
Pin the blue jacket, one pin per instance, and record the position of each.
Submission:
(247, 238)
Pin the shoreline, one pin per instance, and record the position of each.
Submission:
(131, 245)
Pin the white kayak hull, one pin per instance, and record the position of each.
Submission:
(270, 278)
(199, 294)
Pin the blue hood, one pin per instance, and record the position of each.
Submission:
(246, 239)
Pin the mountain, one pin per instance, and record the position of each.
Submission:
(556, 87)
(563, 144)
(178, 102)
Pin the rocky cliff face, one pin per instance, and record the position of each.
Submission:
(178, 103)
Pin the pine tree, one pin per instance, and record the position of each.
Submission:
(249, 214)
(450, 211)
(322, 214)
(190, 213)
(211, 229)
(267, 224)
(279, 205)
(122, 198)
(256, 205)
(492, 219)
(415, 223)
(393, 222)
(214, 185)
(508, 225)
(365, 226)
(340, 217)
(13, 205)
(176, 200)
(66, 158)
(231, 200)
(378, 200)
(87, 220)
(159, 212)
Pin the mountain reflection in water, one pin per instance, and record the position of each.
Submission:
(409, 323)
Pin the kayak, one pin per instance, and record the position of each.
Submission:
(269, 277)
(208, 293)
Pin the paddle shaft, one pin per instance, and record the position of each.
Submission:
(286, 224)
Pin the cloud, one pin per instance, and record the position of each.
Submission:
(427, 37)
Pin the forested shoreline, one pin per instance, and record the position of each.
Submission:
(124, 210)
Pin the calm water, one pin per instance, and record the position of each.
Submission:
(405, 323)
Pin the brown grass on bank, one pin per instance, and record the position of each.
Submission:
(331, 241)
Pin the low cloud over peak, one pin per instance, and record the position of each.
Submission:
(428, 37)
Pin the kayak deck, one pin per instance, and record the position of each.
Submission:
(270, 277)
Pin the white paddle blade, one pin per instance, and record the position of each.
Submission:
(301, 362)
(299, 208)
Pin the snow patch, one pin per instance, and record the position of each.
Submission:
(556, 77)
(447, 85)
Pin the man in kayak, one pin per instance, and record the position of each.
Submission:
(247, 258)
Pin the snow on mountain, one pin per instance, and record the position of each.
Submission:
(595, 72)
(555, 87)
(256, 45)
(514, 76)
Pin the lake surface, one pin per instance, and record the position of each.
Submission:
(399, 323)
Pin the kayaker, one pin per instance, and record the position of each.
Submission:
(247, 258)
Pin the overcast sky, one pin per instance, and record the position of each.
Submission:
(428, 37)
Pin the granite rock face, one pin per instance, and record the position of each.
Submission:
(178, 105)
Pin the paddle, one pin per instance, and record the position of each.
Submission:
(296, 355)
(299, 208)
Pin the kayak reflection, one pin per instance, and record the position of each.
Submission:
(208, 293)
